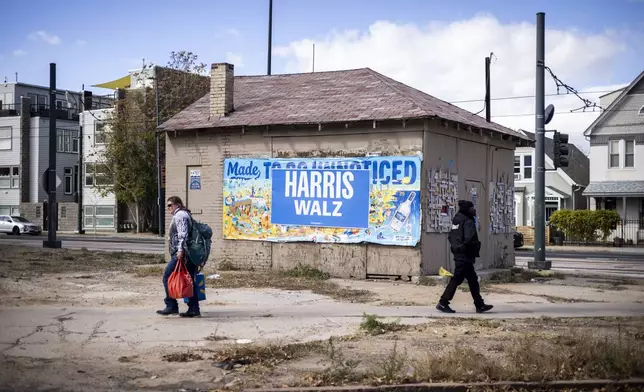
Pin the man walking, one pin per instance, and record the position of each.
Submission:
(465, 246)
(179, 232)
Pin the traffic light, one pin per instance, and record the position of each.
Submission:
(561, 149)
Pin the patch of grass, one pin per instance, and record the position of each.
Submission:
(183, 357)
(427, 281)
(371, 325)
(305, 271)
(520, 275)
(38, 261)
(149, 270)
(227, 265)
(391, 368)
(266, 355)
(284, 280)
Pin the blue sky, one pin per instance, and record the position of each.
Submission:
(100, 41)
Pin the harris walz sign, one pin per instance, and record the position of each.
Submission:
(330, 200)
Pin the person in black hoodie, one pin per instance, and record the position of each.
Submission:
(465, 246)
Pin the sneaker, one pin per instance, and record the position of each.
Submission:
(190, 313)
(445, 308)
(167, 311)
(483, 308)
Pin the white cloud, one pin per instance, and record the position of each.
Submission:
(19, 53)
(447, 60)
(81, 42)
(235, 58)
(44, 36)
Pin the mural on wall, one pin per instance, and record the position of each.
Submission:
(330, 200)
(502, 207)
(442, 200)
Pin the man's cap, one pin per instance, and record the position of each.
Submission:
(462, 204)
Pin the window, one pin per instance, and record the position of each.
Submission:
(5, 138)
(641, 112)
(613, 147)
(67, 141)
(10, 177)
(69, 180)
(7, 100)
(98, 216)
(99, 133)
(527, 167)
(15, 211)
(610, 204)
(629, 156)
(523, 167)
(97, 174)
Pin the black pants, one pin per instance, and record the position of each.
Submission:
(464, 270)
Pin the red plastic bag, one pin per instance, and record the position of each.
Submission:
(180, 282)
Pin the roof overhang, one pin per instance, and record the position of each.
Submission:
(519, 139)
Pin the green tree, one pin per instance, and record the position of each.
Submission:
(130, 155)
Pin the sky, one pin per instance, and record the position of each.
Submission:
(439, 47)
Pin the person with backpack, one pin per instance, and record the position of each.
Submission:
(465, 246)
(179, 244)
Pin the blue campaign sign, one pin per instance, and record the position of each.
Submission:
(321, 197)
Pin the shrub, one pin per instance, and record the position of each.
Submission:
(585, 225)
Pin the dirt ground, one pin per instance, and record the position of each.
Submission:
(368, 349)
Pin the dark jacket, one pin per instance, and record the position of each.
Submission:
(464, 238)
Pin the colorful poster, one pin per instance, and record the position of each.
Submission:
(330, 200)
(195, 179)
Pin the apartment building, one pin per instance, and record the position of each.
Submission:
(24, 150)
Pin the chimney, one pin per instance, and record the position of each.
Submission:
(222, 77)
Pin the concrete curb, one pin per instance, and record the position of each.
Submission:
(466, 387)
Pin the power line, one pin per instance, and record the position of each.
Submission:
(571, 112)
(526, 97)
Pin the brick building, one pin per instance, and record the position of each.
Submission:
(233, 139)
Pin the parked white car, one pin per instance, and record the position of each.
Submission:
(17, 225)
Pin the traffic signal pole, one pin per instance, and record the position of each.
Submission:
(52, 212)
(540, 178)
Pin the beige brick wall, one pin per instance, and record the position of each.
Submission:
(206, 151)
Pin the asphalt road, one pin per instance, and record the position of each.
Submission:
(91, 243)
(627, 255)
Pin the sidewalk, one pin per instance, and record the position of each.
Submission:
(588, 249)
(108, 237)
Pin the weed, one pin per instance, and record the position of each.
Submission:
(459, 364)
(279, 280)
(266, 355)
(182, 357)
(391, 366)
(154, 270)
(340, 369)
(427, 281)
(307, 272)
(371, 325)
(213, 337)
(227, 265)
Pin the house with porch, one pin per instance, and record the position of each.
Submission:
(564, 186)
(617, 159)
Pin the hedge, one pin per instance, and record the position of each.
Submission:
(585, 225)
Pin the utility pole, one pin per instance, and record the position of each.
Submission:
(540, 179)
(52, 212)
(488, 109)
(270, 35)
(79, 178)
(160, 201)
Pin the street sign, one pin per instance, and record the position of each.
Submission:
(44, 180)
